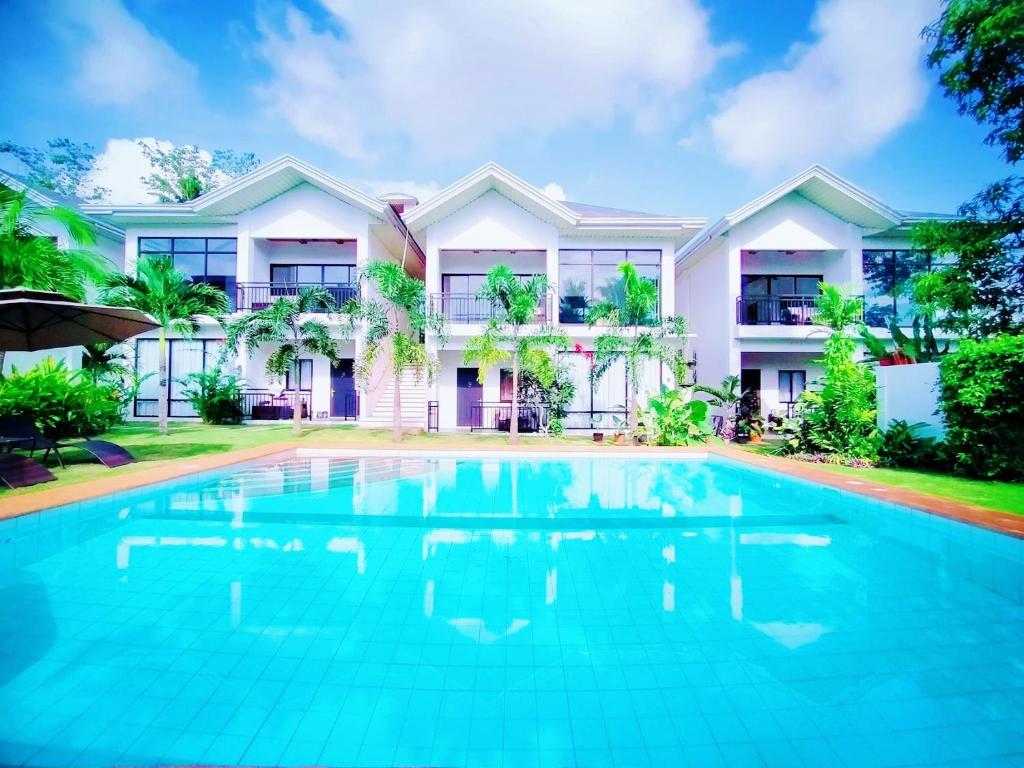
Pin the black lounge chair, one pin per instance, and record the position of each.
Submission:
(21, 471)
(21, 432)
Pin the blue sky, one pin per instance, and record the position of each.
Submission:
(690, 107)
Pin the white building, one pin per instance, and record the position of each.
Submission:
(746, 284)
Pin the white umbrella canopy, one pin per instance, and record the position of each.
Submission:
(33, 320)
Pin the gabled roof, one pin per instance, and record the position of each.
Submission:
(821, 187)
(570, 218)
(48, 199)
(249, 191)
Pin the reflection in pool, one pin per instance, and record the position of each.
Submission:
(527, 612)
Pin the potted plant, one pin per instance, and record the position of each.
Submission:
(621, 425)
(595, 423)
(742, 432)
(755, 425)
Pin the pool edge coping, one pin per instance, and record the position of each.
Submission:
(1006, 523)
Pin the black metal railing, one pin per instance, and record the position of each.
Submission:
(468, 308)
(255, 296)
(263, 404)
(177, 408)
(497, 417)
(791, 309)
(349, 407)
(433, 416)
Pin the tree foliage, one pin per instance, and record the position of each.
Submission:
(172, 299)
(63, 167)
(516, 304)
(185, 172)
(286, 325)
(635, 334)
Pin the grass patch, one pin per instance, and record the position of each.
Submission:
(1006, 497)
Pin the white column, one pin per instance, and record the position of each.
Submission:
(552, 273)
(668, 280)
(734, 282)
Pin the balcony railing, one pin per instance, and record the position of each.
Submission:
(256, 296)
(497, 417)
(467, 308)
(791, 309)
(264, 405)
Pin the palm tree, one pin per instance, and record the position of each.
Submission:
(172, 299)
(282, 323)
(32, 260)
(636, 333)
(517, 305)
(401, 315)
(105, 361)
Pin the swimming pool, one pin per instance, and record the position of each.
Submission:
(513, 611)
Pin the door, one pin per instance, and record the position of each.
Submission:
(344, 401)
(750, 385)
(471, 392)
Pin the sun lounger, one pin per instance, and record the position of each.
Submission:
(21, 471)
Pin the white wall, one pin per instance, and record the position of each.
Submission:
(770, 363)
(703, 298)
(911, 393)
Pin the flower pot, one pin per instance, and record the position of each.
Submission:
(599, 437)
(742, 439)
(756, 438)
(620, 439)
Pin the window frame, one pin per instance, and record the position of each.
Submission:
(791, 372)
(302, 363)
(352, 268)
(656, 262)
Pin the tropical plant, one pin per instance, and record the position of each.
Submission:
(635, 335)
(216, 396)
(64, 167)
(674, 420)
(184, 173)
(283, 324)
(555, 394)
(401, 315)
(172, 299)
(839, 416)
(902, 446)
(516, 306)
(105, 362)
(29, 259)
(63, 403)
(980, 388)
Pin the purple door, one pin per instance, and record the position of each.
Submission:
(471, 393)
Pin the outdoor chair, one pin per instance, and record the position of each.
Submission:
(21, 471)
(21, 432)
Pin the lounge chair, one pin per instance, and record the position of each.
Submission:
(28, 437)
(21, 471)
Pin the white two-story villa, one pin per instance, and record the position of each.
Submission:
(746, 284)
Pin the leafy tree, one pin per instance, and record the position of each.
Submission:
(172, 299)
(977, 44)
(184, 173)
(105, 362)
(517, 306)
(676, 420)
(635, 335)
(282, 324)
(840, 417)
(32, 260)
(399, 314)
(63, 168)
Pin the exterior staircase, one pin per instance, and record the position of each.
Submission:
(414, 404)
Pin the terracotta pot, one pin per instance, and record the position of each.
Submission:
(620, 439)
(756, 438)
(599, 437)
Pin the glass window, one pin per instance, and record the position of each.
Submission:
(305, 376)
(281, 274)
(192, 264)
(211, 260)
(887, 277)
(791, 385)
(586, 277)
(154, 245)
(184, 357)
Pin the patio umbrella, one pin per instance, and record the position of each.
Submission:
(33, 320)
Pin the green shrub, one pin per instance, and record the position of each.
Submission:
(216, 396)
(982, 399)
(63, 403)
(902, 447)
(673, 420)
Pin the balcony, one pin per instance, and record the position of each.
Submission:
(791, 309)
(250, 297)
(466, 308)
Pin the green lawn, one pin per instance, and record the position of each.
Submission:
(1007, 497)
(188, 440)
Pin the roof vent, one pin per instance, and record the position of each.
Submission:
(400, 201)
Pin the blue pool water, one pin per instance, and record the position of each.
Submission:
(453, 612)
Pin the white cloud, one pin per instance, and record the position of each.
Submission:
(451, 77)
(555, 192)
(841, 96)
(118, 61)
(121, 166)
